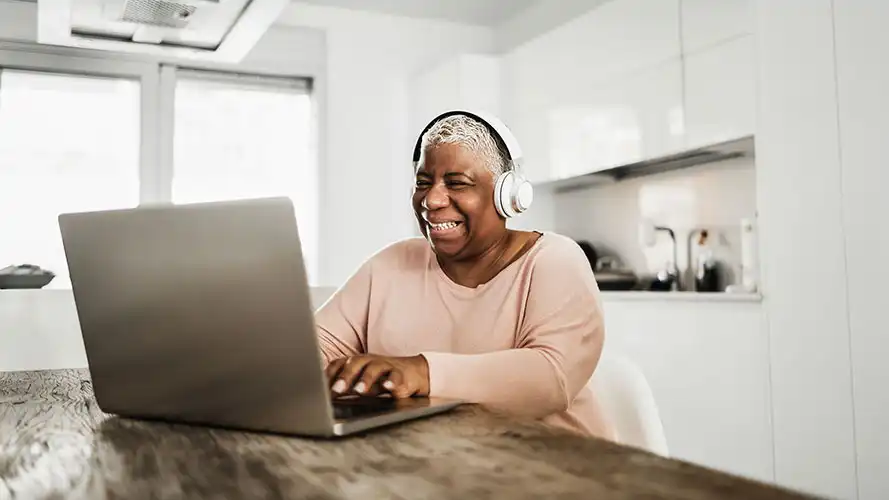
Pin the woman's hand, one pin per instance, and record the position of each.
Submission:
(370, 375)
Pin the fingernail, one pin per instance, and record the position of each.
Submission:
(360, 387)
(339, 386)
(389, 385)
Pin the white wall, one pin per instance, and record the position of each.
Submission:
(367, 179)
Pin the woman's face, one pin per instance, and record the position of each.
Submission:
(454, 202)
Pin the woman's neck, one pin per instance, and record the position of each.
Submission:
(484, 266)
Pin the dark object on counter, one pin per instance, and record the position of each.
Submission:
(25, 277)
(663, 282)
(612, 275)
(707, 276)
(708, 279)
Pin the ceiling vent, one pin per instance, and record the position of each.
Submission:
(214, 30)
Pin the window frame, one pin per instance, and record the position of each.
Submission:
(157, 79)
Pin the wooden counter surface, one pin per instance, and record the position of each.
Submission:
(56, 443)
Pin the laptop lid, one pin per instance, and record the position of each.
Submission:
(199, 313)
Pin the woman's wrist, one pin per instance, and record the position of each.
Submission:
(421, 365)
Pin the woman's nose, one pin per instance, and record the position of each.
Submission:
(436, 197)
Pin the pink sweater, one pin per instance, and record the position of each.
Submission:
(527, 341)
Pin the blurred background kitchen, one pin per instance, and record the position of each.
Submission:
(719, 161)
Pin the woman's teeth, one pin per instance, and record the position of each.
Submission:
(443, 226)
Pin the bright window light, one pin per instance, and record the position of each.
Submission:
(237, 140)
(68, 143)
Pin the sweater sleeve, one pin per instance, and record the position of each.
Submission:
(342, 321)
(557, 347)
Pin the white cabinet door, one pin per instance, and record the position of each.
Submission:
(862, 60)
(708, 22)
(708, 367)
(624, 120)
(552, 84)
(720, 93)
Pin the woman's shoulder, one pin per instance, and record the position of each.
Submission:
(407, 252)
(555, 249)
(560, 264)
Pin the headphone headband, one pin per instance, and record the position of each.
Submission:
(512, 192)
(498, 130)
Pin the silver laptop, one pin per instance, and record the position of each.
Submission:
(202, 314)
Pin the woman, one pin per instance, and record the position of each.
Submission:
(472, 310)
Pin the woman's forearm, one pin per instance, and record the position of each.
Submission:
(528, 381)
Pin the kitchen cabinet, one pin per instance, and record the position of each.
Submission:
(468, 81)
(589, 74)
(798, 158)
(706, 23)
(720, 93)
(621, 120)
(862, 77)
(707, 363)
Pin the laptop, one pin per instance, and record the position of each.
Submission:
(201, 313)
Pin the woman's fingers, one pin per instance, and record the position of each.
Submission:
(333, 369)
(349, 373)
(397, 385)
(370, 377)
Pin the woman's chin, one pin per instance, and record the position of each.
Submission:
(446, 247)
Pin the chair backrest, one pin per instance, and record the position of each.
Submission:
(320, 295)
(626, 398)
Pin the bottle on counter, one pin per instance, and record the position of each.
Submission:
(749, 257)
(706, 270)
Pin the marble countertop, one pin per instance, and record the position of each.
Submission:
(56, 443)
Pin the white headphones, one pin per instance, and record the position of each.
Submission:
(513, 194)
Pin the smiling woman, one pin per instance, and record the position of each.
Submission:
(472, 310)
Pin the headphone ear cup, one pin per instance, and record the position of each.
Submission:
(502, 191)
(524, 194)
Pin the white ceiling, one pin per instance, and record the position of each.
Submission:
(479, 12)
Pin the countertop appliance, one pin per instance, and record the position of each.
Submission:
(610, 272)
(25, 276)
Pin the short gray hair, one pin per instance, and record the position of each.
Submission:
(471, 134)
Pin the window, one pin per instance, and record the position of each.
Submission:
(67, 143)
(244, 137)
(85, 132)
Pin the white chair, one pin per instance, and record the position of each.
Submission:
(627, 400)
(320, 294)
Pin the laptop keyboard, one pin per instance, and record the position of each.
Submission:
(345, 408)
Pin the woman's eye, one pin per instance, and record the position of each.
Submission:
(422, 184)
(457, 184)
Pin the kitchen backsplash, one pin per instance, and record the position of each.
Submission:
(714, 196)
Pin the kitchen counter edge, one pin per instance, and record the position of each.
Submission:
(634, 295)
